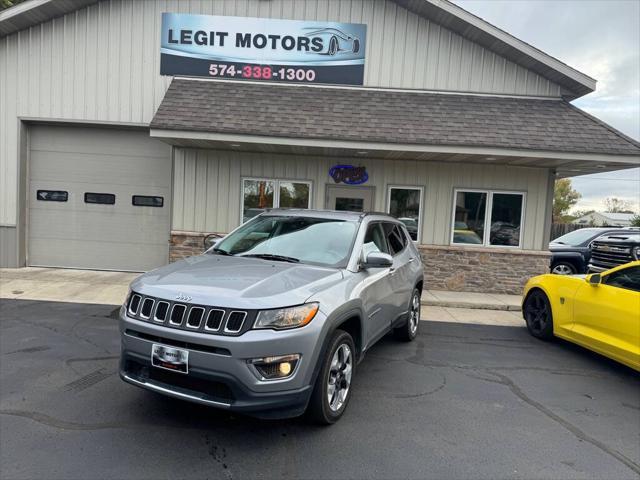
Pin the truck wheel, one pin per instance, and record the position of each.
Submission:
(563, 268)
(332, 390)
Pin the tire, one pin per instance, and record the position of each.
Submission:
(356, 45)
(409, 330)
(563, 268)
(333, 46)
(336, 365)
(538, 315)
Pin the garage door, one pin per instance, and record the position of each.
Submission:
(98, 198)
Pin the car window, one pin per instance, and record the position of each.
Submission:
(374, 240)
(628, 278)
(396, 240)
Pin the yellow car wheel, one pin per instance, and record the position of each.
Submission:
(538, 315)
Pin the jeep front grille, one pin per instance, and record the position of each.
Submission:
(184, 316)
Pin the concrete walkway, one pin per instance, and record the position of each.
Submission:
(110, 288)
(65, 285)
(471, 300)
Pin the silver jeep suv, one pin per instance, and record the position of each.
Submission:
(273, 319)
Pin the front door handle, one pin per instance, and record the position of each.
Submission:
(411, 260)
(392, 271)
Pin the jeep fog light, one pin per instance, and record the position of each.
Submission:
(274, 368)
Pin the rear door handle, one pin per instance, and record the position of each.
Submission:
(411, 260)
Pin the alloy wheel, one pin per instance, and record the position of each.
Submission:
(562, 269)
(537, 313)
(414, 314)
(339, 380)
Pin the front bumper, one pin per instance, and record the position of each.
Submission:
(219, 374)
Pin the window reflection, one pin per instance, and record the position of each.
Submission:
(404, 204)
(469, 218)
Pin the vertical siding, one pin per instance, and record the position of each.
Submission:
(207, 188)
(8, 246)
(102, 62)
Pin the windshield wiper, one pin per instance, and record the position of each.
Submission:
(220, 251)
(269, 256)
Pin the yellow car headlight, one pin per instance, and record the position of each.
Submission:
(285, 318)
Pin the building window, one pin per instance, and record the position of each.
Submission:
(260, 194)
(147, 201)
(52, 195)
(101, 198)
(487, 218)
(405, 203)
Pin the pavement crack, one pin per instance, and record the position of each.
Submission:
(40, 348)
(61, 424)
(579, 434)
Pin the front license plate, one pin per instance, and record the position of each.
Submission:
(170, 358)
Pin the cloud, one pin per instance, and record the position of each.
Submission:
(600, 39)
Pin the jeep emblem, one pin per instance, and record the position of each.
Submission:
(183, 298)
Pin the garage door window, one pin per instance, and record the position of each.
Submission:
(261, 194)
(147, 201)
(52, 195)
(487, 218)
(101, 198)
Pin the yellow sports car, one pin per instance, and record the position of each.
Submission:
(600, 311)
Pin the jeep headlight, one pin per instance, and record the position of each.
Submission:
(284, 318)
(636, 253)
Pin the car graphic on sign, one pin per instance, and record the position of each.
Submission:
(335, 41)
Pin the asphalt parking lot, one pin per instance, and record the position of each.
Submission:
(463, 401)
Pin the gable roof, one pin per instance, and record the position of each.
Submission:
(443, 12)
(386, 116)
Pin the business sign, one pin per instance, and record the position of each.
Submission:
(262, 49)
(349, 174)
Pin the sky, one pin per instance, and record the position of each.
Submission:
(600, 38)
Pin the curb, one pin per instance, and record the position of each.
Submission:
(477, 306)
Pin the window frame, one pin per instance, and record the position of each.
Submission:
(486, 242)
(276, 191)
(420, 204)
(386, 237)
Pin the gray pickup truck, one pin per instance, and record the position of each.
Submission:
(273, 320)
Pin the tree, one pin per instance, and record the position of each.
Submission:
(635, 221)
(564, 197)
(9, 3)
(617, 205)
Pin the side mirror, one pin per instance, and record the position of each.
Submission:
(211, 240)
(378, 260)
(594, 280)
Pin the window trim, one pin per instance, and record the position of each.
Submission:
(276, 191)
(487, 220)
(391, 186)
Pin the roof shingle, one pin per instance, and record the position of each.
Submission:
(400, 117)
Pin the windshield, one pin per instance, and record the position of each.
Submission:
(577, 237)
(318, 241)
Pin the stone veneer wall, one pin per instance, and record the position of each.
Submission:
(481, 269)
(186, 244)
(460, 269)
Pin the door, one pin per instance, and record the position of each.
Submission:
(377, 291)
(607, 315)
(401, 275)
(98, 198)
(353, 199)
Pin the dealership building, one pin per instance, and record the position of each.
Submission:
(132, 129)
